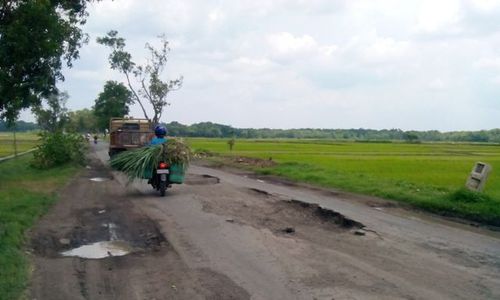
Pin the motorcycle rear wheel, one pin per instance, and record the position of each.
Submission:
(162, 188)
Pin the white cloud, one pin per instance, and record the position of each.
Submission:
(437, 84)
(387, 49)
(215, 15)
(329, 50)
(286, 47)
(256, 62)
(439, 16)
(317, 63)
(488, 62)
(485, 5)
(286, 43)
(495, 80)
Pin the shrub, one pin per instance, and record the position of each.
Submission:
(59, 148)
(468, 196)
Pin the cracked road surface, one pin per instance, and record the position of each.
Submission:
(227, 236)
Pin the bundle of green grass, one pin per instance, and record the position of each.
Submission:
(141, 162)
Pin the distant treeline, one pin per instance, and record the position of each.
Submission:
(208, 129)
(19, 126)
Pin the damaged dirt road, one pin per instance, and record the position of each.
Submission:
(228, 236)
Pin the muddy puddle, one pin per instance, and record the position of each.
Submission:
(100, 250)
(99, 179)
(100, 232)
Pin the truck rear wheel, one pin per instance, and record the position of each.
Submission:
(114, 152)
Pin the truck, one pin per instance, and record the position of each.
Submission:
(128, 133)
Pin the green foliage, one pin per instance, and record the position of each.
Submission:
(205, 129)
(208, 129)
(112, 102)
(82, 120)
(411, 137)
(55, 117)
(465, 195)
(136, 163)
(231, 143)
(151, 87)
(428, 176)
(57, 149)
(25, 194)
(36, 39)
(19, 126)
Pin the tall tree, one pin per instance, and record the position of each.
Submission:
(410, 137)
(150, 87)
(112, 102)
(36, 39)
(82, 120)
(55, 117)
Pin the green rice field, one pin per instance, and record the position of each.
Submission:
(428, 175)
(25, 141)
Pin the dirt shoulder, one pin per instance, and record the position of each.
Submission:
(94, 211)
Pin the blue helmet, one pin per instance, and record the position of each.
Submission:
(160, 131)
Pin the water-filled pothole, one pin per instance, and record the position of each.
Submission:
(99, 232)
(100, 250)
(99, 179)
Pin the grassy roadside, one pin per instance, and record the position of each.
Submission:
(426, 176)
(25, 195)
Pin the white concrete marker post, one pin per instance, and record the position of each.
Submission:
(478, 176)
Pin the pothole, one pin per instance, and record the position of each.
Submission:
(326, 215)
(205, 179)
(99, 179)
(308, 210)
(260, 192)
(101, 232)
(280, 214)
(100, 250)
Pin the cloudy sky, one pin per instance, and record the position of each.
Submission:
(310, 63)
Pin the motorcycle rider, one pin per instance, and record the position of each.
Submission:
(160, 133)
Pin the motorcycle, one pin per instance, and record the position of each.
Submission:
(160, 181)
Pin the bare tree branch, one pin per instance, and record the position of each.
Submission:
(137, 98)
(148, 76)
